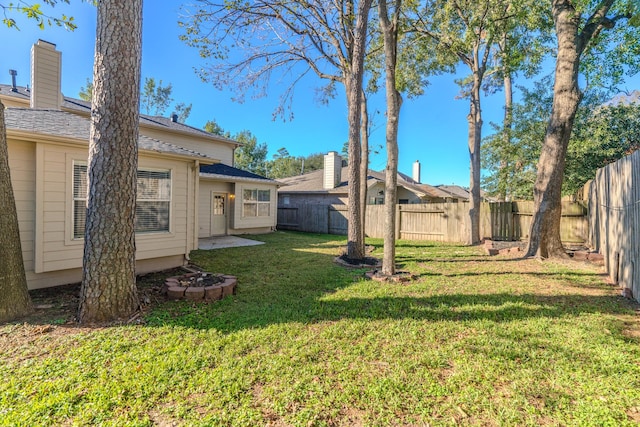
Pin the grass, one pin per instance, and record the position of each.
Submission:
(475, 340)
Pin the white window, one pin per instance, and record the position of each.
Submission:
(256, 203)
(153, 203)
(79, 198)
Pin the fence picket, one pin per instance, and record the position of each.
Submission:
(446, 222)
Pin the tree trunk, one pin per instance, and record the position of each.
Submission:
(507, 125)
(390, 35)
(108, 277)
(364, 165)
(14, 295)
(353, 86)
(475, 136)
(544, 236)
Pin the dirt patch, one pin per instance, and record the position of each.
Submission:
(398, 277)
(58, 306)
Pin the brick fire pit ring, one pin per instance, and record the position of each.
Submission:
(200, 286)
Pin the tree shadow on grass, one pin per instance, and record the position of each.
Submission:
(295, 280)
(234, 316)
(309, 288)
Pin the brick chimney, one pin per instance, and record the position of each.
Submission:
(46, 70)
(332, 170)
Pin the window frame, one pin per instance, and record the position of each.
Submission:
(256, 202)
(168, 200)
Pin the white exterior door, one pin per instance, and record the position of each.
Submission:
(218, 214)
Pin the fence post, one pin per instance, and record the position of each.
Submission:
(398, 220)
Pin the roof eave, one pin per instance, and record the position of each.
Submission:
(221, 177)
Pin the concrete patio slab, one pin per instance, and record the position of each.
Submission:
(220, 242)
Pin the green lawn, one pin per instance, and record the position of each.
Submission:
(475, 340)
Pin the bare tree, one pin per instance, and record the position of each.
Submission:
(290, 39)
(108, 276)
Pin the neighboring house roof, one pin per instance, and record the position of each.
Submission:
(313, 183)
(461, 193)
(221, 171)
(84, 107)
(455, 191)
(67, 125)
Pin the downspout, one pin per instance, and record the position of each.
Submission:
(193, 203)
(196, 204)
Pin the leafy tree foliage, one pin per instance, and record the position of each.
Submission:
(610, 133)
(250, 156)
(468, 32)
(183, 111)
(155, 98)
(86, 91)
(511, 166)
(284, 165)
(597, 39)
(35, 12)
(603, 132)
(213, 127)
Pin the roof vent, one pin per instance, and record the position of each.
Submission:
(13, 73)
(174, 118)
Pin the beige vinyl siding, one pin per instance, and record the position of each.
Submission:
(63, 277)
(56, 249)
(46, 63)
(218, 150)
(23, 180)
(240, 222)
(205, 203)
(409, 196)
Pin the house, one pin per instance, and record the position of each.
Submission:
(191, 188)
(329, 186)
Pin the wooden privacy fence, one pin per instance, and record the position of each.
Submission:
(445, 222)
(614, 220)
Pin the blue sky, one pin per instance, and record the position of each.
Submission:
(433, 127)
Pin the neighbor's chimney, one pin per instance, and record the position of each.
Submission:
(416, 171)
(332, 170)
(46, 66)
(13, 73)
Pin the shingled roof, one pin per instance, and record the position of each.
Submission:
(222, 171)
(312, 182)
(62, 124)
(84, 108)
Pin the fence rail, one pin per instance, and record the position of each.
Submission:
(446, 222)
